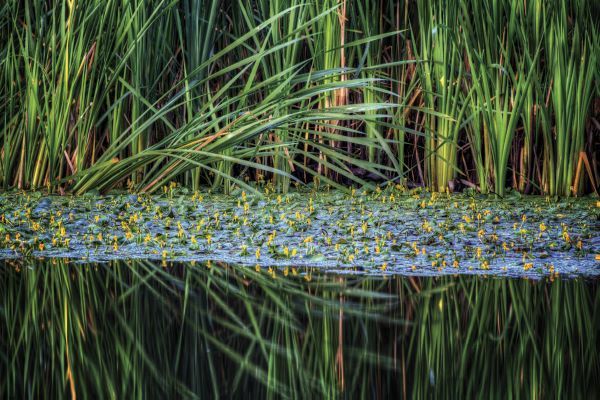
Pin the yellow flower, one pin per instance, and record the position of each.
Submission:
(426, 226)
(543, 227)
(527, 266)
(257, 253)
(384, 266)
(416, 249)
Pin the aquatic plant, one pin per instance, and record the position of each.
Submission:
(439, 234)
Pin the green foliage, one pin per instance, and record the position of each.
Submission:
(133, 93)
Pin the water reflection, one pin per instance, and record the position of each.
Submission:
(141, 329)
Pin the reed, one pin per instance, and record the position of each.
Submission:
(135, 94)
(442, 80)
(571, 66)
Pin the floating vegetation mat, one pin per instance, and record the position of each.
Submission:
(391, 231)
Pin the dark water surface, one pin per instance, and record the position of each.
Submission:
(146, 329)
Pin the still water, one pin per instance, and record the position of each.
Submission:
(142, 329)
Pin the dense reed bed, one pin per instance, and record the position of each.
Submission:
(489, 94)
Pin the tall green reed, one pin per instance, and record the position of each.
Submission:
(571, 65)
(126, 93)
(500, 79)
(442, 78)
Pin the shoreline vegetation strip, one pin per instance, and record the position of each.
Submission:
(391, 230)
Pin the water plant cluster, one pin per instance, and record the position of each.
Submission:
(391, 230)
(485, 94)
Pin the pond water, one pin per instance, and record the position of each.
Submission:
(153, 329)
(391, 293)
